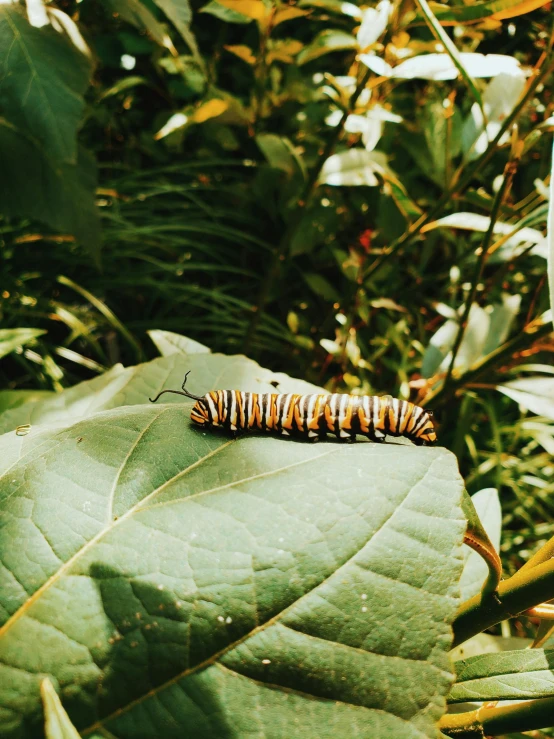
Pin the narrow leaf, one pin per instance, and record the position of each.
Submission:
(56, 721)
(13, 338)
(496, 9)
(253, 9)
(535, 394)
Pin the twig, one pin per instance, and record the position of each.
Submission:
(526, 589)
(529, 335)
(509, 171)
(499, 719)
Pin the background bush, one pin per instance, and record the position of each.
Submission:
(269, 179)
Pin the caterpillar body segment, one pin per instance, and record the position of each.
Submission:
(312, 416)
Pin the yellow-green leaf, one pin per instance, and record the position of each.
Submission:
(211, 109)
(243, 52)
(254, 9)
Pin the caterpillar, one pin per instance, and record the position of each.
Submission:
(311, 416)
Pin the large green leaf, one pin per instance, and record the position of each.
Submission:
(177, 583)
(519, 674)
(36, 186)
(42, 81)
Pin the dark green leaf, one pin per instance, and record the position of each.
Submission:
(325, 42)
(42, 81)
(60, 195)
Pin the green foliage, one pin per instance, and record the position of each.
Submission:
(287, 576)
(352, 194)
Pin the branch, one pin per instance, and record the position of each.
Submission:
(524, 716)
(526, 589)
(528, 336)
(509, 172)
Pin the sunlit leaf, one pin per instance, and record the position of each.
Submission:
(535, 394)
(334, 6)
(284, 50)
(438, 354)
(326, 42)
(374, 22)
(288, 14)
(13, 338)
(499, 99)
(476, 222)
(211, 109)
(180, 14)
(56, 721)
(495, 9)
(254, 9)
(62, 23)
(439, 66)
(224, 13)
(243, 52)
(502, 318)
(168, 343)
(351, 167)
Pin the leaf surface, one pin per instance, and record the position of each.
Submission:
(174, 581)
(35, 186)
(519, 674)
(42, 81)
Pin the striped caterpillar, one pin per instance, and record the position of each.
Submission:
(311, 416)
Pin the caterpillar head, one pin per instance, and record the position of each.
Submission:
(426, 434)
(199, 413)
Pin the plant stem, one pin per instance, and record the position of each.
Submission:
(542, 68)
(509, 172)
(499, 719)
(526, 589)
(529, 335)
(296, 218)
